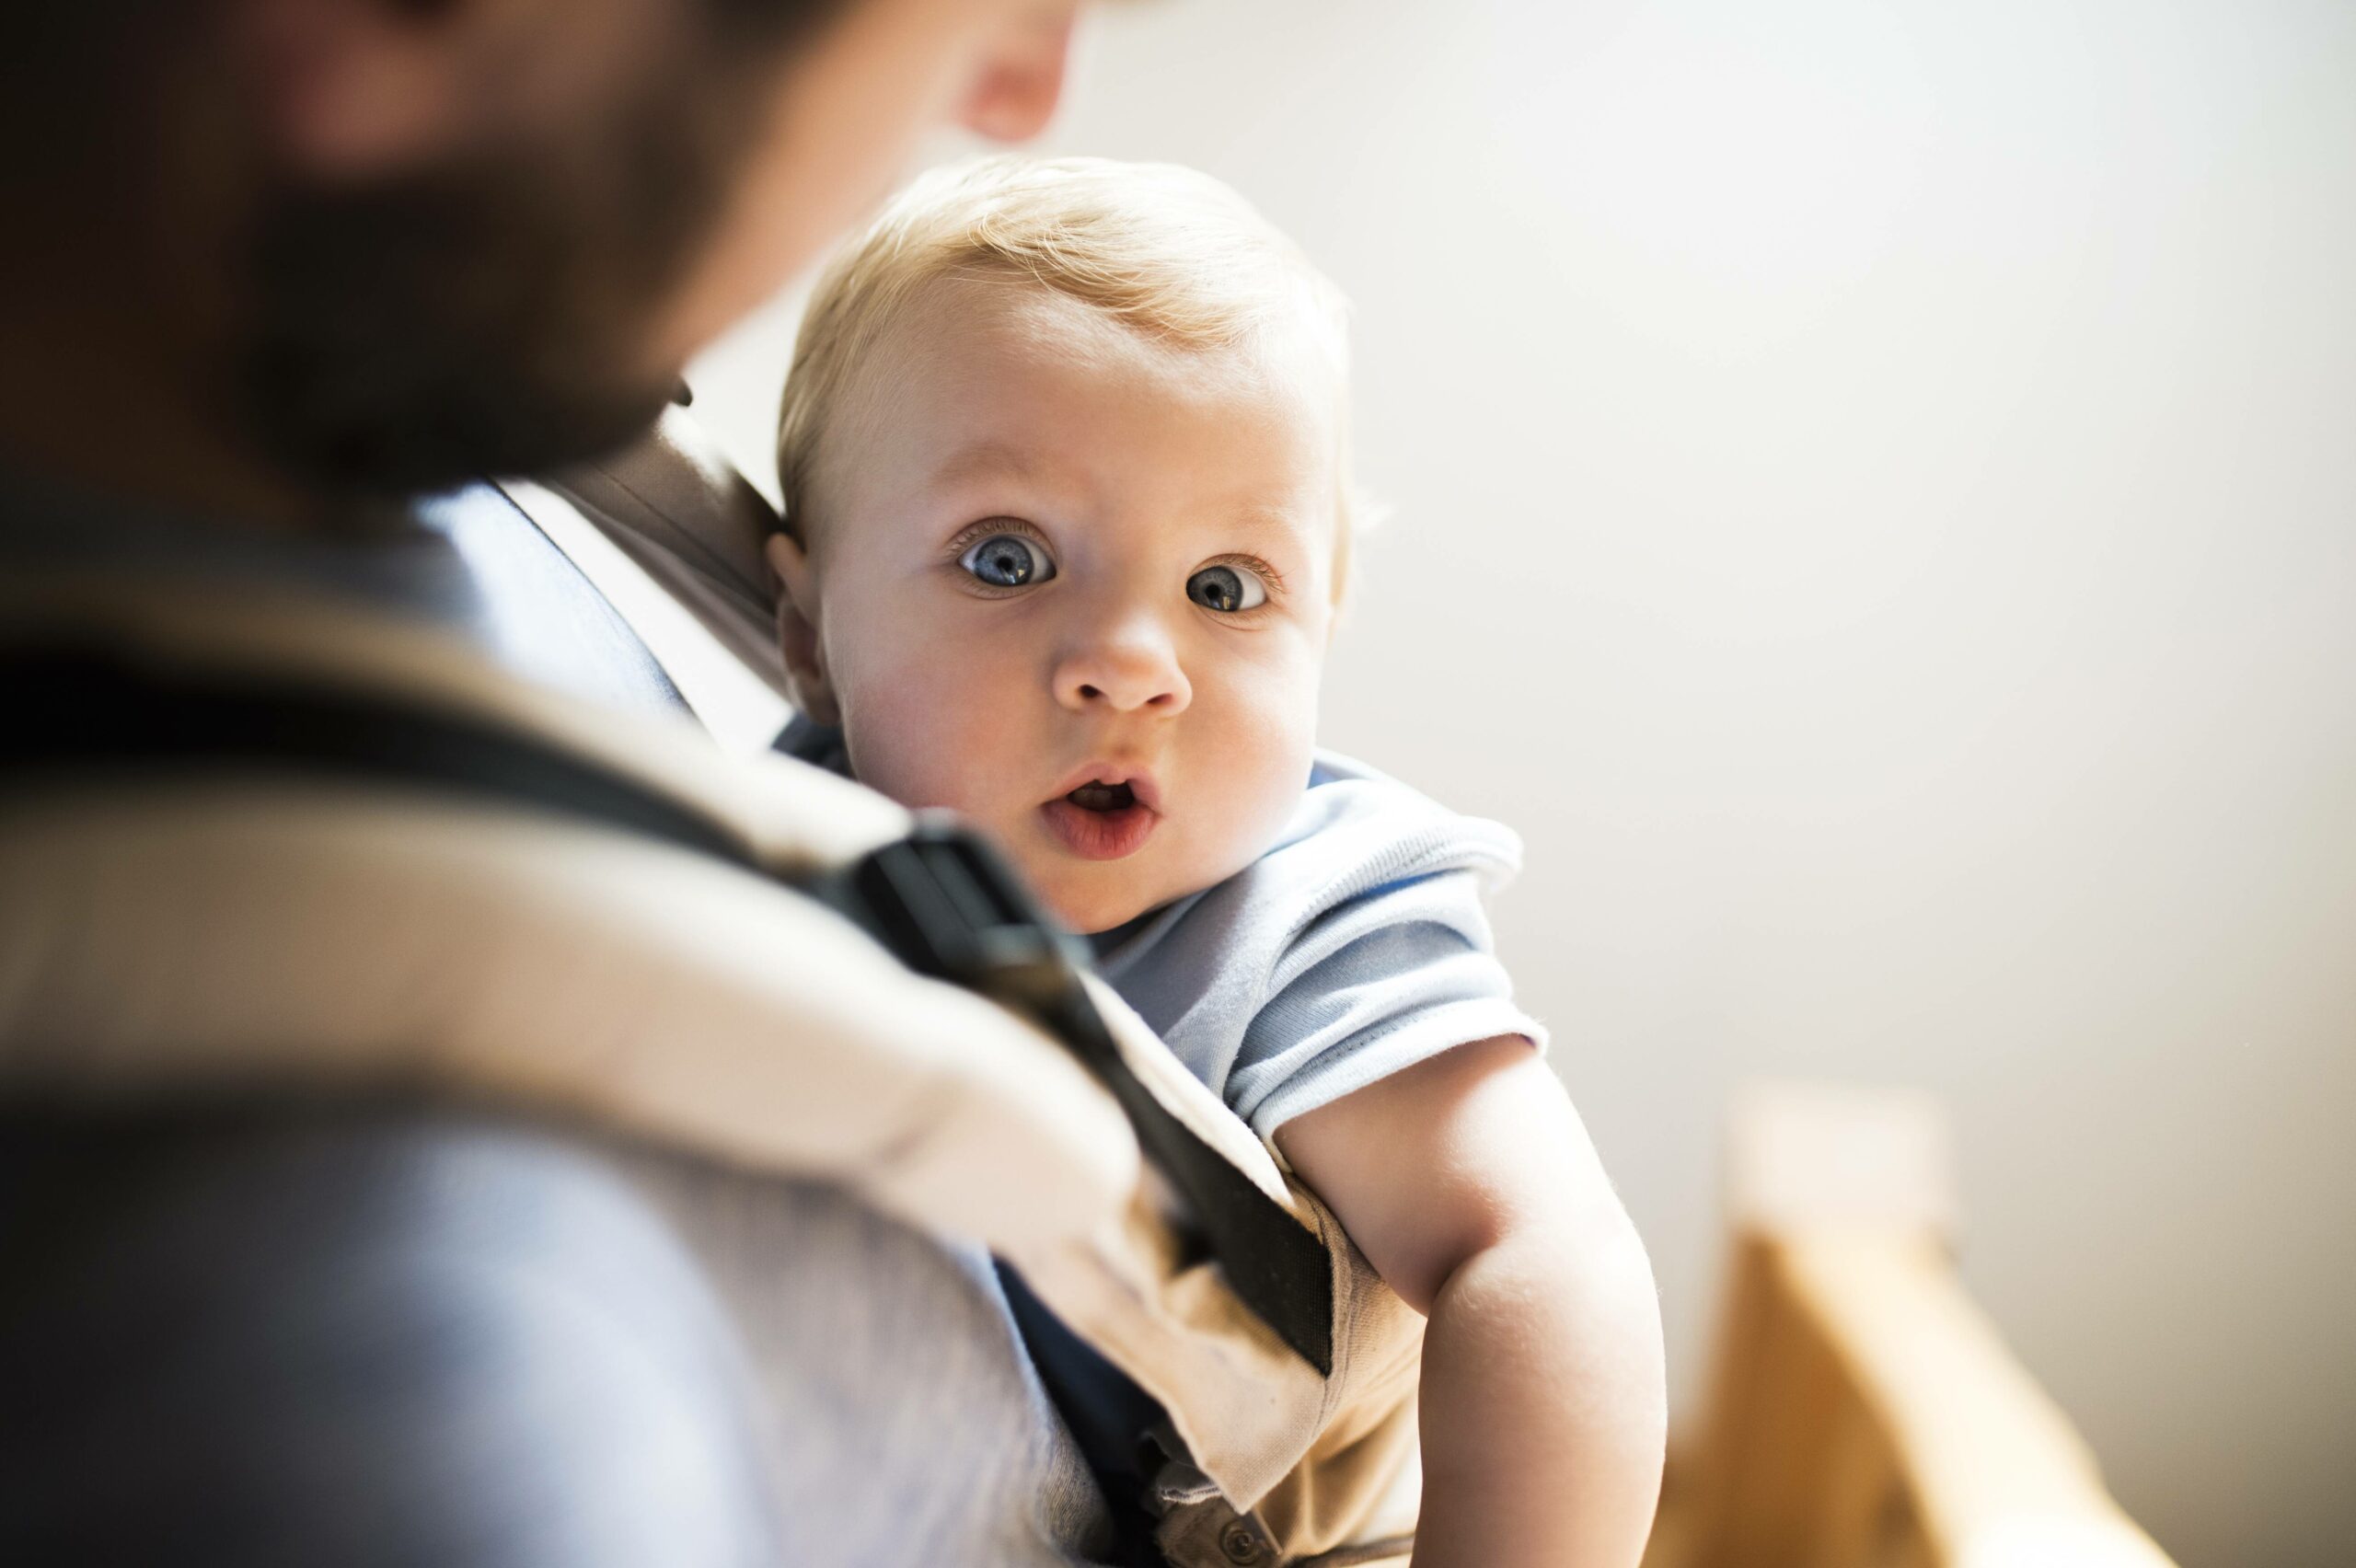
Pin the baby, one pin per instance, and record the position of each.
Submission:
(1065, 459)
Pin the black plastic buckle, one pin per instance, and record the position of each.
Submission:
(949, 908)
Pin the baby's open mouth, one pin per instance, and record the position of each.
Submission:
(1102, 819)
(1098, 797)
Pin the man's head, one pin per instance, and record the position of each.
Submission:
(393, 243)
(1063, 452)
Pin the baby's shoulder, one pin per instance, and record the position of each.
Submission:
(1366, 915)
(1361, 855)
(1358, 831)
(1360, 852)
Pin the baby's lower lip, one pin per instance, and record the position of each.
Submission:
(1099, 836)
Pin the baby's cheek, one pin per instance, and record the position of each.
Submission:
(924, 741)
(1267, 739)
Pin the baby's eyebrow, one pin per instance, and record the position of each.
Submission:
(984, 459)
(1260, 518)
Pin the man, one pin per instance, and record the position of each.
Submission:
(272, 268)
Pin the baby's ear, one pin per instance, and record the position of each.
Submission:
(797, 631)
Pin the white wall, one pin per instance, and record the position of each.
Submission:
(1877, 509)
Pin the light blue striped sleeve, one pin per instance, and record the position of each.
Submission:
(1382, 979)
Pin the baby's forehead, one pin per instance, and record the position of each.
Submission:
(965, 333)
(992, 378)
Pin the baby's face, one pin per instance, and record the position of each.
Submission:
(1077, 587)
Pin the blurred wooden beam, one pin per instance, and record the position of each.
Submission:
(1866, 1413)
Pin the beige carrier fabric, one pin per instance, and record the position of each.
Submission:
(319, 936)
(1322, 1461)
(352, 935)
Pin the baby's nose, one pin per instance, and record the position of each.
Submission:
(1131, 671)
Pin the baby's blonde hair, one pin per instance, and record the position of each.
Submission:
(1168, 252)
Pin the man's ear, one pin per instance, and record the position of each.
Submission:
(797, 631)
(1021, 76)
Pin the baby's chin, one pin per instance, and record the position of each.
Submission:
(1092, 909)
(1090, 898)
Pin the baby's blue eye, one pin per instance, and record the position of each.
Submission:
(1007, 561)
(1226, 589)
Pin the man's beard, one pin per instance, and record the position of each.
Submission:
(492, 318)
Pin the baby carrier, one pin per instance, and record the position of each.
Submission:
(269, 840)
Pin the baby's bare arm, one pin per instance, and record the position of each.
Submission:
(1470, 1184)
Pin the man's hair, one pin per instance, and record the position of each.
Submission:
(1168, 252)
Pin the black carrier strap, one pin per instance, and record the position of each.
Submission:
(940, 900)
